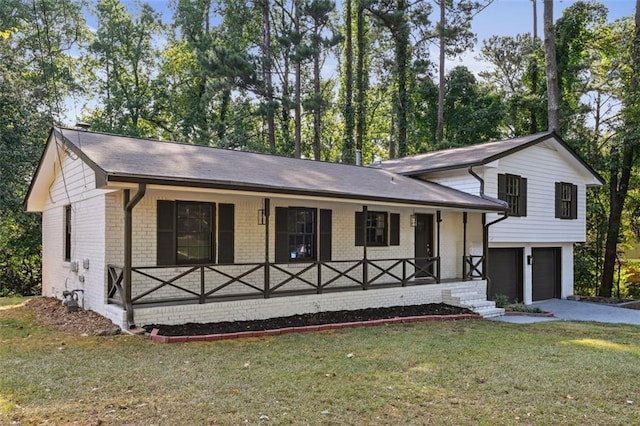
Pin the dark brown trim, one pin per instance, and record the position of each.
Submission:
(78, 151)
(128, 230)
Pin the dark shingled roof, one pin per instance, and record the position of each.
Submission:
(126, 159)
(474, 155)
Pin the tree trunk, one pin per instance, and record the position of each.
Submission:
(618, 187)
(534, 70)
(298, 90)
(402, 62)
(392, 140)
(285, 112)
(266, 75)
(361, 79)
(317, 104)
(551, 68)
(440, 119)
(348, 154)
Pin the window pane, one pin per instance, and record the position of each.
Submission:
(376, 228)
(301, 229)
(194, 232)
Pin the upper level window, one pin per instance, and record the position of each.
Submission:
(566, 199)
(513, 190)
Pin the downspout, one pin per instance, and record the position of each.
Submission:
(128, 228)
(485, 226)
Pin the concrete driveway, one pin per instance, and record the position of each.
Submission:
(571, 310)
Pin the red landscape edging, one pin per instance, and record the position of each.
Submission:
(304, 329)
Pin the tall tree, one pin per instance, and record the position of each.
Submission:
(454, 36)
(361, 74)
(441, 50)
(393, 15)
(38, 70)
(348, 111)
(623, 158)
(127, 58)
(512, 60)
(551, 68)
(266, 73)
(298, 58)
(318, 13)
(534, 70)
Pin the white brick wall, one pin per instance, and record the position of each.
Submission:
(97, 235)
(74, 185)
(252, 309)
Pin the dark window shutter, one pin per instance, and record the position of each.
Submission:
(394, 224)
(502, 187)
(522, 199)
(282, 235)
(574, 201)
(226, 213)
(558, 200)
(166, 242)
(325, 235)
(359, 229)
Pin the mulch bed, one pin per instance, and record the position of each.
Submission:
(319, 318)
(50, 312)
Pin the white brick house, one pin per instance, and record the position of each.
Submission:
(160, 232)
(530, 253)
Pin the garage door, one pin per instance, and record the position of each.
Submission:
(545, 273)
(505, 273)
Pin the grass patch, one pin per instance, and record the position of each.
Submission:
(14, 300)
(463, 372)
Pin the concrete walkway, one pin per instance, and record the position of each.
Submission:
(570, 310)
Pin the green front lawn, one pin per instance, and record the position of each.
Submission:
(13, 300)
(465, 372)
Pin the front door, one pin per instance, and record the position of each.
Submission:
(424, 244)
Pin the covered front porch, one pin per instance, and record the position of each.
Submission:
(431, 253)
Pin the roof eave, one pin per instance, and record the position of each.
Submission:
(196, 183)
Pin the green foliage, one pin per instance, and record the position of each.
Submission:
(521, 307)
(502, 300)
(36, 73)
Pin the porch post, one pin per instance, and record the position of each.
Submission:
(365, 266)
(485, 247)
(128, 227)
(464, 246)
(438, 220)
(267, 278)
